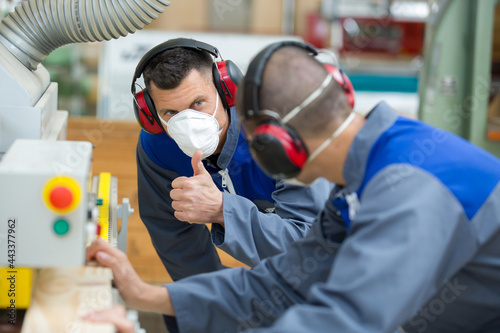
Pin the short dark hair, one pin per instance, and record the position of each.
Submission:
(168, 69)
(290, 76)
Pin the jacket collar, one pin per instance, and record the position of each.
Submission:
(379, 120)
(232, 139)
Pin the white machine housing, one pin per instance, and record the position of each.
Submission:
(28, 104)
(32, 130)
(24, 172)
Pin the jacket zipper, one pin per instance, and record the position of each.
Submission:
(227, 184)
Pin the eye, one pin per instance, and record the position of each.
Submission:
(198, 104)
(169, 113)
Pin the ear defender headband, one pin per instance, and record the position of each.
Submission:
(276, 147)
(226, 76)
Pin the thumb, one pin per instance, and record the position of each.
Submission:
(198, 167)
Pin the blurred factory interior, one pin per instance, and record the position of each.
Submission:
(434, 60)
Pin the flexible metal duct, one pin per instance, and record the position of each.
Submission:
(38, 27)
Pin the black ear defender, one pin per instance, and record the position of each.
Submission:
(226, 76)
(276, 147)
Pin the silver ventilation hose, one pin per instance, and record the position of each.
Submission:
(38, 27)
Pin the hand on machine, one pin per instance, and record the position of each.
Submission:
(136, 293)
(116, 315)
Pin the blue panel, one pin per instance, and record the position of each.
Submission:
(469, 172)
(365, 82)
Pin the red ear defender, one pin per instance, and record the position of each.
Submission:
(279, 148)
(343, 80)
(226, 78)
(146, 114)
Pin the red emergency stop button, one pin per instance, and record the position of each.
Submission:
(61, 194)
(61, 197)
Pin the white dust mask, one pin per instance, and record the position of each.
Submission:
(194, 130)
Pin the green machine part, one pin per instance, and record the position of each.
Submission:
(456, 79)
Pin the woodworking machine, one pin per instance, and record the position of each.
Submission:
(51, 206)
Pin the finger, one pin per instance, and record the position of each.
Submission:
(198, 167)
(116, 316)
(177, 205)
(179, 182)
(99, 245)
(181, 216)
(184, 200)
(121, 268)
(177, 194)
(106, 260)
(184, 205)
(189, 217)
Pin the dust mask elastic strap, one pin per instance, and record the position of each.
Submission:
(337, 132)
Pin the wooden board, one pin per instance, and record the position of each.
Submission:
(61, 296)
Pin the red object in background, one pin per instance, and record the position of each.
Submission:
(98, 230)
(317, 31)
(382, 35)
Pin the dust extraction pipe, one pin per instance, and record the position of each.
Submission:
(38, 27)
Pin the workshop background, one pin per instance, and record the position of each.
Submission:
(379, 43)
(392, 50)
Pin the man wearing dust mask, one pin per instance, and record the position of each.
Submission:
(199, 170)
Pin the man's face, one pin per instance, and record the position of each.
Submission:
(196, 92)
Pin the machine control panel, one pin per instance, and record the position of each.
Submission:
(62, 194)
(44, 200)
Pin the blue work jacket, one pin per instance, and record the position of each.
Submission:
(410, 244)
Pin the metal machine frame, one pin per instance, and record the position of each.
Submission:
(456, 80)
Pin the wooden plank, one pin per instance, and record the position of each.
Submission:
(61, 296)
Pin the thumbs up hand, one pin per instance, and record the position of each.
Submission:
(197, 164)
(197, 199)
